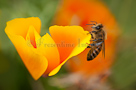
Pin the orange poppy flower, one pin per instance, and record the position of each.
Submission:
(45, 55)
(81, 12)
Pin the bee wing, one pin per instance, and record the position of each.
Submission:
(103, 48)
(105, 36)
(103, 45)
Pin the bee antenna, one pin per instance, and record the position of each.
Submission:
(90, 24)
(94, 21)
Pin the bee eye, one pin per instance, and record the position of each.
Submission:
(97, 27)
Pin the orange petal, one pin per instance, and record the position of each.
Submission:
(45, 46)
(70, 40)
(31, 35)
(20, 26)
(35, 63)
(48, 48)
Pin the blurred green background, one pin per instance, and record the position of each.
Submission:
(13, 73)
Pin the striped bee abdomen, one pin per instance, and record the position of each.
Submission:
(94, 52)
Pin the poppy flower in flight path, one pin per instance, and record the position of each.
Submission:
(45, 55)
(81, 12)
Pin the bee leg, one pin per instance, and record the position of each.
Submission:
(99, 39)
(96, 40)
(90, 45)
(91, 32)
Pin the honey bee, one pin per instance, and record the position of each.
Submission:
(97, 39)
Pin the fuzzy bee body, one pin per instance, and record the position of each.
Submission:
(93, 53)
(98, 44)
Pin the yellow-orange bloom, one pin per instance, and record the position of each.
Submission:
(45, 55)
(81, 12)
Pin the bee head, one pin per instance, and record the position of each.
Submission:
(98, 26)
